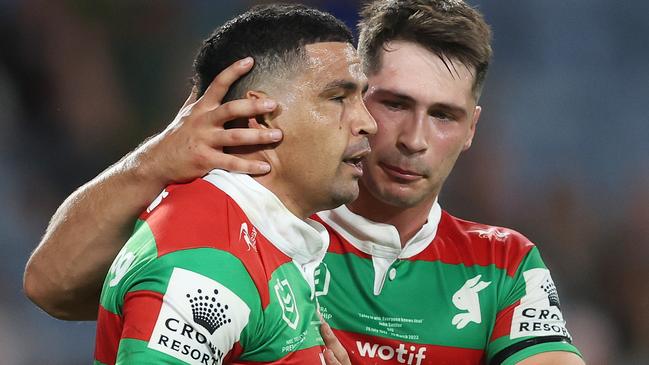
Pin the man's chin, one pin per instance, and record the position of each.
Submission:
(344, 196)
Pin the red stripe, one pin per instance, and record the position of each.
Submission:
(457, 243)
(199, 215)
(372, 350)
(109, 329)
(504, 322)
(309, 356)
(141, 309)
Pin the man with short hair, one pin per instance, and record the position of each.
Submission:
(221, 269)
(403, 281)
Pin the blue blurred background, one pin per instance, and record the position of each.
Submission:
(561, 154)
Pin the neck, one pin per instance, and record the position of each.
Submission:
(295, 204)
(273, 180)
(408, 221)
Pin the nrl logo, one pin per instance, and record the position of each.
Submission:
(321, 280)
(286, 300)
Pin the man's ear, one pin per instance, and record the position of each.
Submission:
(262, 120)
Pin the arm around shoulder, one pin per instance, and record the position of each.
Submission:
(65, 273)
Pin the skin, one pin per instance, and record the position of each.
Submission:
(416, 136)
(324, 123)
(426, 120)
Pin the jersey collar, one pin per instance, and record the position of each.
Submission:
(380, 239)
(305, 241)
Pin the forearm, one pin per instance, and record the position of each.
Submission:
(65, 273)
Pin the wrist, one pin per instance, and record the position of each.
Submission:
(140, 168)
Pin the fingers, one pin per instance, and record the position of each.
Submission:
(222, 82)
(333, 345)
(237, 164)
(245, 137)
(243, 108)
(330, 358)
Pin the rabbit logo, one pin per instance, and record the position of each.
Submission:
(467, 299)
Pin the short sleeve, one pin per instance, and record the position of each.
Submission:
(530, 320)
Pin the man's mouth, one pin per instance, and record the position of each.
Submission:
(400, 173)
(356, 157)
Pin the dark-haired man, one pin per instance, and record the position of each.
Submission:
(403, 281)
(221, 269)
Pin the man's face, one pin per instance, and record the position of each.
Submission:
(325, 125)
(426, 114)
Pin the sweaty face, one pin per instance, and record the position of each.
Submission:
(325, 125)
(426, 114)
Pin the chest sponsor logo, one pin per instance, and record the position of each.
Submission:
(250, 238)
(287, 302)
(466, 298)
(538, 313)
(154, 204)
(322, 279)
(120, 267)
(200, 319)
(410, 355)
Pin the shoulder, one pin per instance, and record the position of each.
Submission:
(192, 215)
(482, 244)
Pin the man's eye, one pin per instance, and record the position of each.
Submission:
(393, 105)
(444, 117)
(338, 99)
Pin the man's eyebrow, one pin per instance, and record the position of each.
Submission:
(452, 108)
(395, 95)
(347, 85)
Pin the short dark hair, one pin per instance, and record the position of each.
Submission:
(274, 35)
(448, 28)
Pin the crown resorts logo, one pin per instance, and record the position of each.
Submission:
(208, 311)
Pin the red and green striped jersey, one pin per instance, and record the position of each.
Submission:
(457, 293)
(218, 271)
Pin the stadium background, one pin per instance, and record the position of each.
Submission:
(562, 151)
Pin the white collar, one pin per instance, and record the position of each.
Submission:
(305, 241)
(380, 239)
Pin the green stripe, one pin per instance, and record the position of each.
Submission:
(133, 351)
(138, 251)
(278, 340)
(420, 311)
(537, 349)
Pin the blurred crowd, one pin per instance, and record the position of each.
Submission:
(561, 154)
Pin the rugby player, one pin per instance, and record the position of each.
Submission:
(403, 281)
(220, 270)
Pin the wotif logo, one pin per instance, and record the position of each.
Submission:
(387, 352)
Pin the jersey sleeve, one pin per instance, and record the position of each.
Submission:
(191, 306)
(530, 319)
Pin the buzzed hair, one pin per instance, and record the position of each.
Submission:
(448, 28)
(274, 35)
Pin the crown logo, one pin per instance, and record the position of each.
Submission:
(208, 311)
(551, 290)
